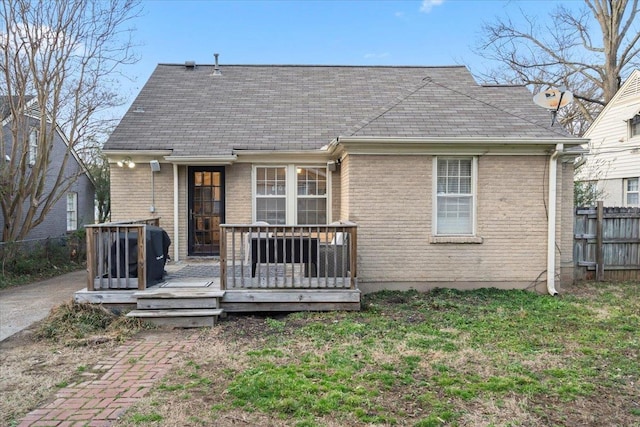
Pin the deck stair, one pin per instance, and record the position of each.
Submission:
(183, 307)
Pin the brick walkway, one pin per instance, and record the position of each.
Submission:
(123, 379)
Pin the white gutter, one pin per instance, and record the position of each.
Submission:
(551, 230)
(176, 228)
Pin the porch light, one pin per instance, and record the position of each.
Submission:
(126, 162)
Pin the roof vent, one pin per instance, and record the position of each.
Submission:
(216, 69)
(189, 65)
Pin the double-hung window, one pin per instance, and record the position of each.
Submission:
(72, 211)
(291, 194)
(311, 195)
(632, 191)
(455, 195)
(271, 195)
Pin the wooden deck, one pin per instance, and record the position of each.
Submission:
(261, 269)
(192, 292)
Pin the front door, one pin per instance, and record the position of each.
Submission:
(206, 209)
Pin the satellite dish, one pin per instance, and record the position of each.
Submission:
(553, 99)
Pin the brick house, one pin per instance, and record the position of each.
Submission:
(75, 207)
(448, 181)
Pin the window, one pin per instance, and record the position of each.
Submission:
(72, 211)
(312, 196)
(634, 126)
(291, 195)
(271, 195)
(455, 200)
(632, 191)
(33, 146)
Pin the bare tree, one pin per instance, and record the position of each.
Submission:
(589, 53)
(58, 63)
(100, 170)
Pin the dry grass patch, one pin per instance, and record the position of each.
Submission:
(502, 412)
(54, 353)
(32, 370)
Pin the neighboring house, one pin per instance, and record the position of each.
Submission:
(448, 181)
(73, 209)
(612, 166)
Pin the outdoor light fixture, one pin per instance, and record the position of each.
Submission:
(126, 162)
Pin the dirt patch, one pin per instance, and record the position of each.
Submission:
(32, 370)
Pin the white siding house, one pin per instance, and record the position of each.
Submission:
(613, 162)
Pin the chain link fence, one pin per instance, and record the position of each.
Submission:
(36, 256)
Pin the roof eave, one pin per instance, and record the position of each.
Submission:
(279, 156)
(202, 160)
(115, 153)
(459, 140)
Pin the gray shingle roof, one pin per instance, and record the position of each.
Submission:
(5, 104)
(269, 107)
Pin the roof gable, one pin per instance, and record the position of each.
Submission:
(629, 93)
(31, 109)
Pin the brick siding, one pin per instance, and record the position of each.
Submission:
(390, 197)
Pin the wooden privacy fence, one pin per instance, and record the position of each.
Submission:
(607, 243)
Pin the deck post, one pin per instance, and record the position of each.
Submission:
(142, 257)
(223, 257)
(354, 256)
(91, 257)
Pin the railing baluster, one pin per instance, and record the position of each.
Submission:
(291, 257)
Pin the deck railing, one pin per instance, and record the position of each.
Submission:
(116, 257)
(285, 257)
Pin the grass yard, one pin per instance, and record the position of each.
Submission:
(443, 358)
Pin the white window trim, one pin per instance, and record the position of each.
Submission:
(625, 192)
(33, 146)
(254, 195)
(629, 128)
(455, 238)
(291, 192)
(74, 197)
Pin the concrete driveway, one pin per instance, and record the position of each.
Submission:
(21, 306)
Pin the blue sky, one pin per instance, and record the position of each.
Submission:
(328, 32)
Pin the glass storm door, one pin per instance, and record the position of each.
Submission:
(206, 210)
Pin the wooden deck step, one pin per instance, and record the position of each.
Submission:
(179, 293)
(180, 318)
(178, 298)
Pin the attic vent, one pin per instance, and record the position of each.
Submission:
(189, 65)
(632, 90)
(216, 69)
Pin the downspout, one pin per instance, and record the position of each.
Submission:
(176, 228)
(551, 230)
